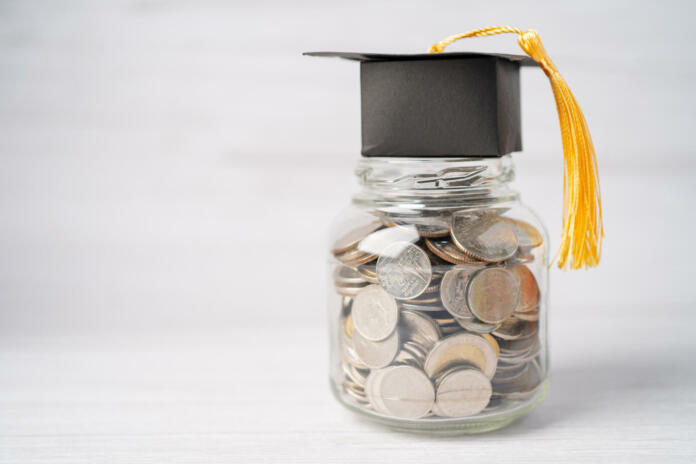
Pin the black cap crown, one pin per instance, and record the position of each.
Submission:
(439, 105)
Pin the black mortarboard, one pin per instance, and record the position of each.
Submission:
(439, 105)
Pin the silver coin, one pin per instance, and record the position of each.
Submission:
(368, 272)
(376, 354)
(358, 376)
(519, 345)
(493, 294)
(378, 241)
(350, 356)
(507, 376)
(523, 386)
(418, 351)
(375, 313)
(462, 392)
(528, 315)
(447, 251)
(486, 238)
(351, 238)
(462, 348)
(371, 391)
(355, 257)
(453, 289)
(419, 328)
(404, 270)
(450, 329)
(514, 328)
(407, 358)
(420, 307)
(405, 392)
(348, 291)
(474, 325)
(528, 236)
(425, 227)
(345, 276)
(357, 394)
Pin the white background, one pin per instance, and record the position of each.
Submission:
(168, 171)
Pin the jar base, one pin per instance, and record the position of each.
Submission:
(482, 423)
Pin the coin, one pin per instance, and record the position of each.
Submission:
(403, 270)
(528, 236)
(462, 392)
(420, 328)
(419, 307)
(529, 315)
(458, 349)
(350, 356)
(425, 226)
(494, 343)
(348, 326)
(474, 325)
(346, 276)
(368, 272)
(375, 313)
(377, 241)
(487, 238)
(523, 386)
(529, 289)
(514, 328)
(355, 257)
(348, 291)
(358, 376)
(376, 354)
(424, 230)
(418, 350)
(453, 290)
(493, 294)
(447, 251)
(353, 236)
(405, 392)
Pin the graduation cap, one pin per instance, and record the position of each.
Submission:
(468, 105)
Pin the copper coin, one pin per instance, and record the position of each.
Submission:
(529, 289)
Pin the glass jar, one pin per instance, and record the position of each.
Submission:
(437, 296)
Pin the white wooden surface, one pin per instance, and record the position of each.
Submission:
(623, 391)
(167, 173)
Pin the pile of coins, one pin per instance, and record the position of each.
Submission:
(439, 316)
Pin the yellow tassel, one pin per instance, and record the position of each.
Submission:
(581, 238)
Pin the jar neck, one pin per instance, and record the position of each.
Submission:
(436, 183)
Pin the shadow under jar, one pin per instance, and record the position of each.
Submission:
(437, 296)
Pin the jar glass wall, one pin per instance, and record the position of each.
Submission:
(437, 296)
